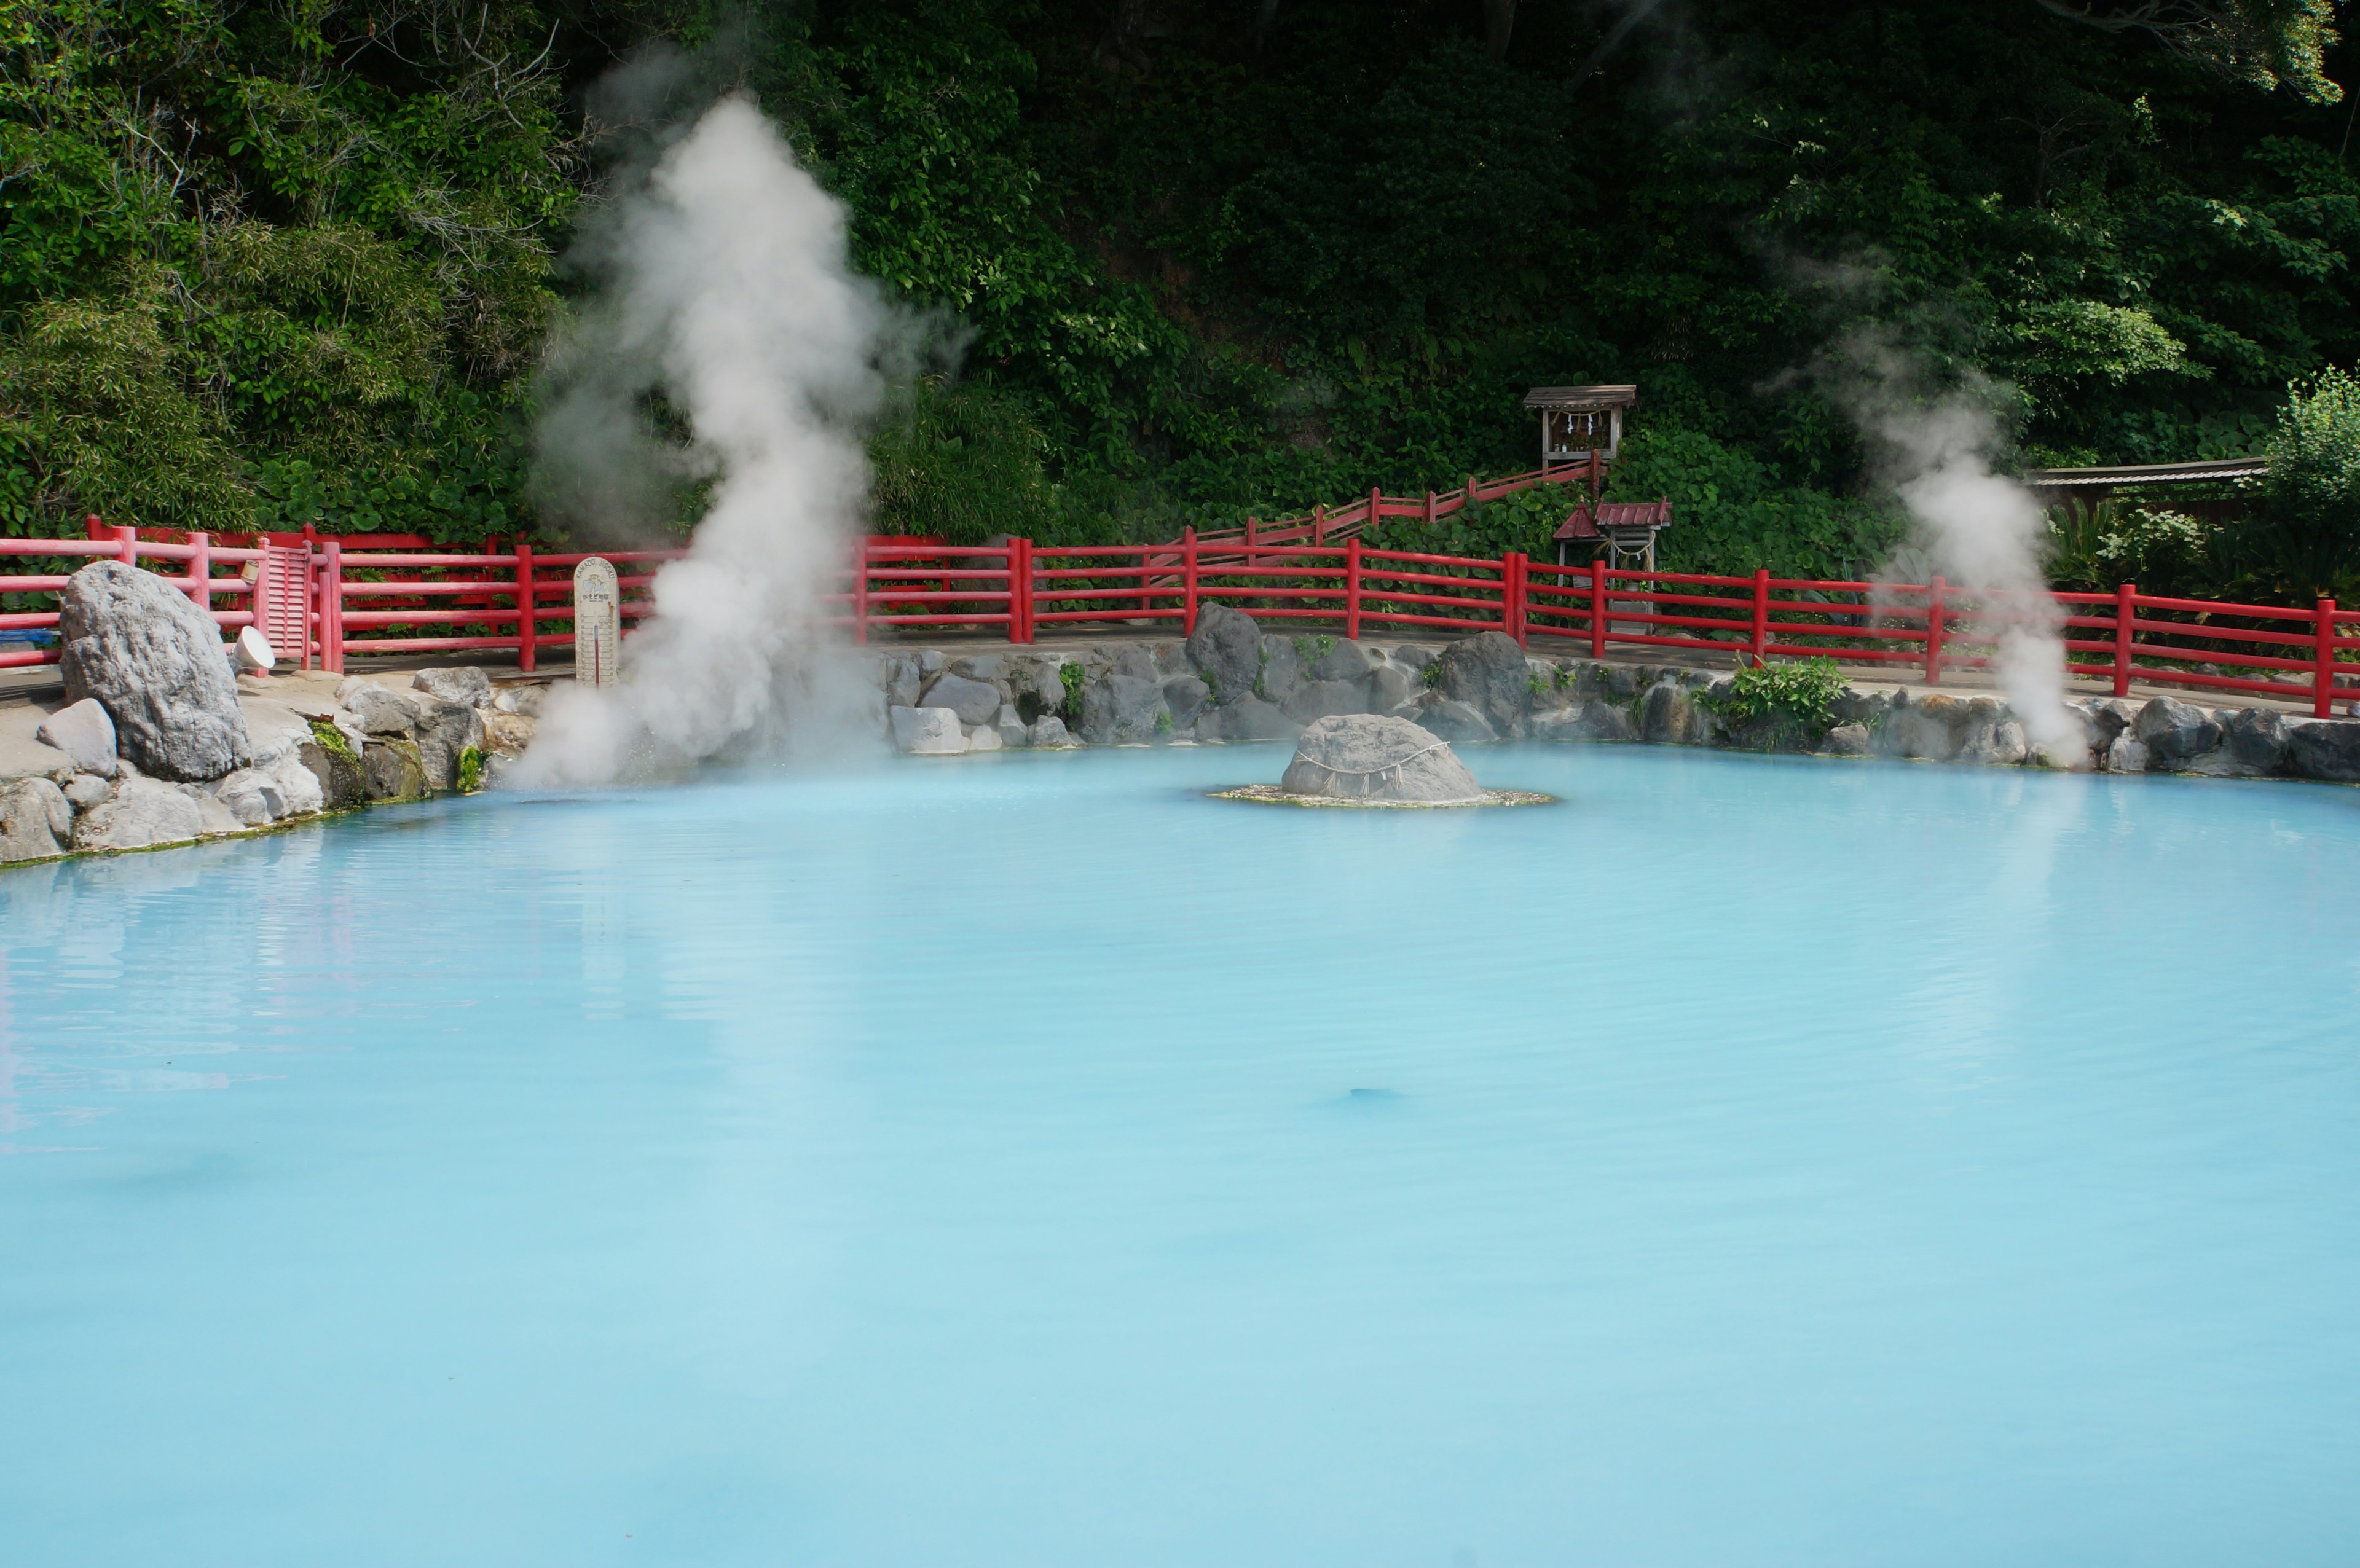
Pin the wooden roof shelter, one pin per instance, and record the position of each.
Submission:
(1628, 529)
(1580, 422)
(2214, 487)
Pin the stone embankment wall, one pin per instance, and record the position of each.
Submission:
(1232, 681)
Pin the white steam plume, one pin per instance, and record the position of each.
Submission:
(726, 290)
(1983, 529)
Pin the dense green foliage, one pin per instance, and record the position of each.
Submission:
(278, 263)
(1783, 706)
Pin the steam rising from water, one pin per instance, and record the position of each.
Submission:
(726, 290)
(1983, 529)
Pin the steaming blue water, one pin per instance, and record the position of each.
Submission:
(1028, 1162)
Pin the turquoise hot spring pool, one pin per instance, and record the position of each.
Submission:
(1028, 1162)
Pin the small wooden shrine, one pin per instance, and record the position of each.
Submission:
(1580, 423)
(1624, 530)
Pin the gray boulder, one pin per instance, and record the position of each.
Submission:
(143, 813)
(2173, 731)
(1487, 673)
(84, 790)
(84, 732)
(1282, 670)
(1412, 657)
(379, 711)
(1320, 699)
(1372, 757)
(975, 702)
(1620, 682)
(1592, 720)
(254, 797)
(1047, 732)
(1454, 721)
(336, 776)
(1186, 697)
(467, 684)
(1389, 688)
(1138, 661)
(2324, 748)
(445, 730)
(1008, 726)
(2256, 738)
(1668, 714)
(927, 732)
(36, 821)
(1226, 648)
(1250, 718)
(1116, 708)
(156, 663)
(899, 677)
(1346, 660)
(1847, 740)
(2127, 755)
(991, 669)
(272, 728)
(390, 770)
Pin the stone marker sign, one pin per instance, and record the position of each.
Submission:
(598, 623)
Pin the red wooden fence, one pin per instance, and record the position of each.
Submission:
(388, 600)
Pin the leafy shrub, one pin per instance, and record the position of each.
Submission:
(1777, 705)
(2309, 544)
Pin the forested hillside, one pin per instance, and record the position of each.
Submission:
(274, 263)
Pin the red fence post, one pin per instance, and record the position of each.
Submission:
(1934, 633)
(528, 608)
(1187, 582)
(331, 611)
(860, 590)
(1019, 590)
(1352, 589)
(1596, 606)
(2126, 611)
(2323, 676)
(1512, 595)
(95, 525)
(1761, 612)
(1429, 508)
(126, 539)
(1375, 501)
(201, 572)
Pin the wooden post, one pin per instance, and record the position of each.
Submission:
(2126, 611)
(1019, 590)
(1376, 501)
(528, 594)
(1187, 580)
(127, 541)
(1934, 632)
(1512, 607)
(2322, 677)
(1429, 508)
(1761, 612)
(200, 573)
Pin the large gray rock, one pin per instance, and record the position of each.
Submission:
(1847, 740)
(144, 812)
(444, 731)
(1282, 670)
(84, 790)
(156, 663)
(2324, 748)
(1047, 732)
(1010, 725)
(1931, 727)
(1372, 756)
(1591, 720)
(1454, 721)
(1118, 708)
(274, 729)
(1226, 648)
(1668, 714)
(2127, 755)
(2173, 731)
(467, 684)
(390, 770)
(1250, 718)
(36, 821)
(336, 776)
(254, 797)
(1346, 660)
(1389, 688)
(1320, 699)
(1487, 673)
(899, 677)
(975, 702)
(381, 712)
(84, 732)
(928, 731)
(2256, 738)
(1137, 661)
(1186, 697)
(991, 669)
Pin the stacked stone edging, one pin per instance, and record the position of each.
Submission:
(1233, 680)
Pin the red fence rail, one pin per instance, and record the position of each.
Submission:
(389, 599)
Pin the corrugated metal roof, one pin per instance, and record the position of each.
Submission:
(1581, 397)
(1579, 524)
(2210, 471)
